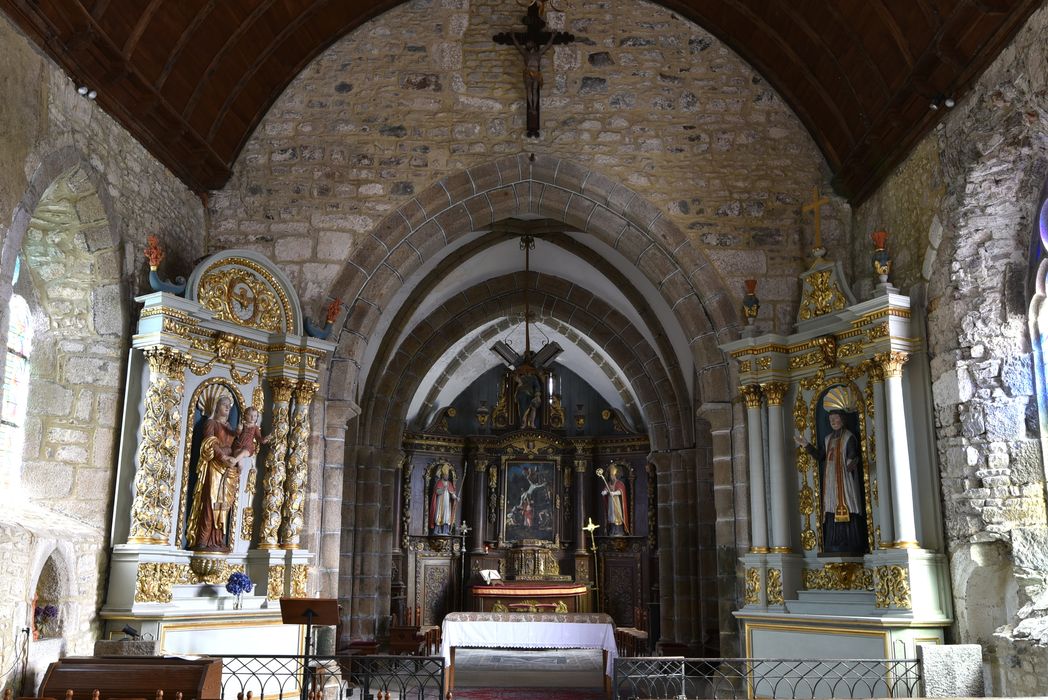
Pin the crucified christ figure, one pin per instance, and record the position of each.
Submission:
(532, 45)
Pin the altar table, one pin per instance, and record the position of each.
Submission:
(528, 631)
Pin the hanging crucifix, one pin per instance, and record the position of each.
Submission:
(532, 44)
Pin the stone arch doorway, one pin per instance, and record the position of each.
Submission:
(614, 231)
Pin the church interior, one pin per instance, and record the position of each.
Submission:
(721, 318)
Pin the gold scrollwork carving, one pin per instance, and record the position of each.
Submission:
(893, 587)
(775, 587)
(850, 349)
(821, 295)
(299, 578)
(800, 414)
(827, 346)
(839, 576)
(753, 587)
(806, 360)
(154, 480)
(877, 332)
(745, 366)
(297, 466)
(806, 499)
(276, 465)
(751, 394)
(814, 381)
(808, 539)
(275, 582)
(153, 580)
(248, 524)
(246, 294)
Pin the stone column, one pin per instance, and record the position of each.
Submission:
(154, 482)
(297, 467)
(781, 537)
(885, 517)
(582, 465)
(901, 486)
(480, 505)
(275, 465)
(754, 431)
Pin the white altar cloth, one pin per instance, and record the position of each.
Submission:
(529, 631)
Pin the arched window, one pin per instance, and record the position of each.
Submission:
(16, 389)
(1038, 318)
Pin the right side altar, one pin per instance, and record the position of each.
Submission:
(846, 532)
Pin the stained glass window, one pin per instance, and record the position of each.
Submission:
(16, 384)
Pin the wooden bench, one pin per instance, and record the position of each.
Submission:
(138, 677)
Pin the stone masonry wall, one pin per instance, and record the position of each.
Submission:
(972, 212)
(78, 196)
(422, 91)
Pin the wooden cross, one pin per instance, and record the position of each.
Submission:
(532, 44)
(813, 206)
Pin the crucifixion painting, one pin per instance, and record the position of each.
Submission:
(532, 44)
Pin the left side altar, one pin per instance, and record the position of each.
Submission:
(213, 461)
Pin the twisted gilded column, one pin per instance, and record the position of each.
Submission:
(901, 481)
(780, 521)
(754, 431)
(297, 467)
(154, 481)
(885, 517)
(276, 465)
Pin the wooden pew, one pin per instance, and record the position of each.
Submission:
(133, 677)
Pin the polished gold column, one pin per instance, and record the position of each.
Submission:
(292, 514)
(154, 481)
(276, 465)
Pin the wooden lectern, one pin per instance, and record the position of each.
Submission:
(308, 612)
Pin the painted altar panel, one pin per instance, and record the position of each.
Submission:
(529, 501)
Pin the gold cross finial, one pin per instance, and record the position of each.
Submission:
(813, 206)
(590, 525)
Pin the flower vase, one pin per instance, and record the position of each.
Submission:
(751, 305)
(881, 259)
(238, 603)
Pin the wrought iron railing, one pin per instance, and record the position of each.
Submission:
(332, 677)
(676, 678)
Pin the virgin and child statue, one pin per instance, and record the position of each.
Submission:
(217, 472)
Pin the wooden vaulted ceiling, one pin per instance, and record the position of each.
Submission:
(191, 79)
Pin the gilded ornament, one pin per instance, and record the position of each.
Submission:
(753, 587)
(775, 391)
(299, 578)
(764, 363)
(499, 607)
(807, 360)
(751, 394)
(800, 414)
(839, 576)
(297, 467)
(153, 580)
(745, 367)
(775, 587)
(806, 499)
(814, 381)
(275, 469)
(893, 587)
(827, 346)
(561, 607)
(275, 582)
(154, 480)
(821, 295)
(808, 539)
(850, 349)
(241, 291)
(877, 332)
(892, 362)
(247, 526)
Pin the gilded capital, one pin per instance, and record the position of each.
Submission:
(752, 395)
(167, 361)
(892, 362)
(282, 389)
(775, 391)
(305, 391)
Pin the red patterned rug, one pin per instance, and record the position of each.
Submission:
(528, 694)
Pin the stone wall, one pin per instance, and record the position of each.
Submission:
(422, 91)
(78, 196)
(965, 205)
